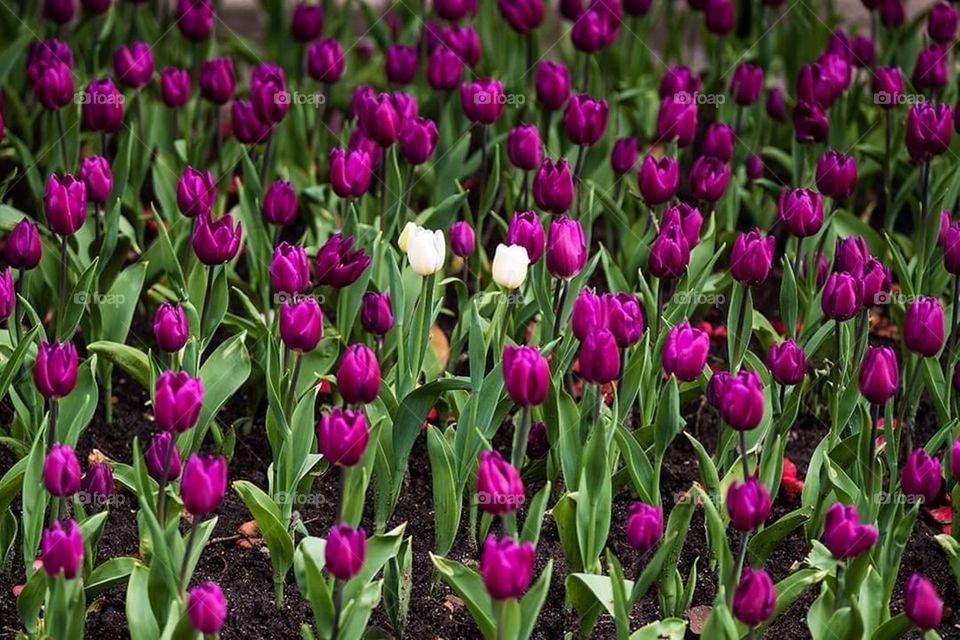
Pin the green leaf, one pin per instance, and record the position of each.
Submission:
(468, 585)
(447, 498)
(274, 531)
(109, 574)
(77, 409)
(762, 544)
(667, 629)
(121, 299)
(140, 619)
(532, 601)
(134, 362)
(222, 374)
(669, 421)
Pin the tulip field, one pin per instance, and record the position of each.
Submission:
(346, 320)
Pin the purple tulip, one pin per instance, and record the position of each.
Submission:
(246, 125)
(62, 550)
(887, 87)
(814, 85)
(921, 476)
(345, 552)
(97, 177)
(923, 327)
(418, 139)
(102, 107)
(625, 319)
(748, 504)
(801, 211)
(177, 401)
(718, 141)
(268, 93)
(776, 105)
(843, 534)
(566, 248)
(864, 51)
(23, 249)
(8, 294)
(325, 60)
(42, 52)
(454, 10)
(206, 608)
(55, 371)
(65, 204)
(133, 65)
(679, 80)
(787, 362)
(714, 391)
(196, 193)
(836, 175)
(942, 23)
(851, 255)
(506, 567)
(677, 120)
(623, 158)
(444, 69)
(289, 269)
(552, 84)
(589, 314)
(746, 84)
(810, 122)
(658, 179)
(842, 296)
(218, 80)
(342, 436)
(306, 21)
(754, 166)
(171, 329)
(709, 177)
(98, 483)
(401, 64)
(585, 119)
(483, 100)
(741, 403)
(755, 599)
(526, 231)
(175, 87)
(929, 130)
(465, 42)
(921, 602)
(156, 457)
(538, 445)
(463, 240)
(338, 263)
(637, 8)
(53, 84)
(203, 484)
(525, 375)
(524, 148)
(950, 243)
(61, 471)
(599, 357)
(835, 71)
(553, 186)
(955, 459)
(877, 283)
(644, 526)
(350, 172)
(931, 71)
(589, 33)
(670, 251)
(376, 313)
(499, 488)
(280, 203)
(522, 15)
(358, 376)
(59, 11)
(216, 241)
(301, 324)
(751, 257)
(685, 352)
(195, 19)
(879, 375)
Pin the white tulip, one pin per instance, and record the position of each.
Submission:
(426, 250)
(510, 265)
(405, 235)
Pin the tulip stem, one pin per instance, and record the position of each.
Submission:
(52, 420)
(162, 491)
(205, 313)
(924, 220)
(887, 172)
(420, 341)
(292, 389)
(871, 454)
(265, 161)
(953, 326)
(577, 169)
(337, 606)
(741, 560)
(483, 166)
(743, 454)
(63, 141)
(191, 541)
(63, 285)
(560, 295)
(521, 437)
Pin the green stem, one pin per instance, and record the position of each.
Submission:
(561, 298)
(743, 454)
(162, 488)
(191, 541)
(521, 437)
(292, 389)
(337, 607)
(63, 286)
(420, 339)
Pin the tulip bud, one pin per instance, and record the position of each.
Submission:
(345, 551)
(553, 186)
(306, 21)
(463, 241)
(62, 550)
(751, 257)
(61, 471)
(851, 255)
(170, 327)
(836, 175)
(538, 445)
(358, 376)
(506, 567)
(720, 16)
(599, 357)
(524, 148)
(65, 204)
(525, 230)
(685, 352)
(623, 158)
(929, 130)
(842, 296)
(418, 140)
(864, 51)
(8, 294)
(776, 104)
(426, 251)
(677, 120)
(301, 324)
(718, 141)
(801, 211)
(923, 327)
(921, 476)
(525, 375)
(585, 119)
(625, 319)
(196, 193)
(678, 80)
(810, 122)
(741, 404)
(644, 526)
(289, 269)
(955, 459)
(338, 264)
(54, 84)
(787, 362)
(755, 599)
(133, 65)
(444, 69)
(206, 608)
(23, 249)
(156, 457)
(942, 23)
(102, 108)
(522, 15)
(843, 534)
(589, 314)
(714, 392)
(55, 371)
(325, 60)
(376, 313)
(97, 178)
(217, 80)
(887, 87)
(177, 401)
(950, 243)
(931, 71)
(454, 10)
(98, 483)
(342, 436)
(748, 504)
(175, 87)
(746, 84)
(553, 85)
(203, 484)
(350, 172)
(195, 19)
(687, 218)
(246, 125)
(566, 248)
(401, 64)
(879, 375)
(499, 488)
(510, 266)
(59, 11)
(482, 100)
(216, 241)
(268, 93)
(658, 179)
(669, 253)
(754, 166)
(280, 203)
(921, 602)
(709, 177)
